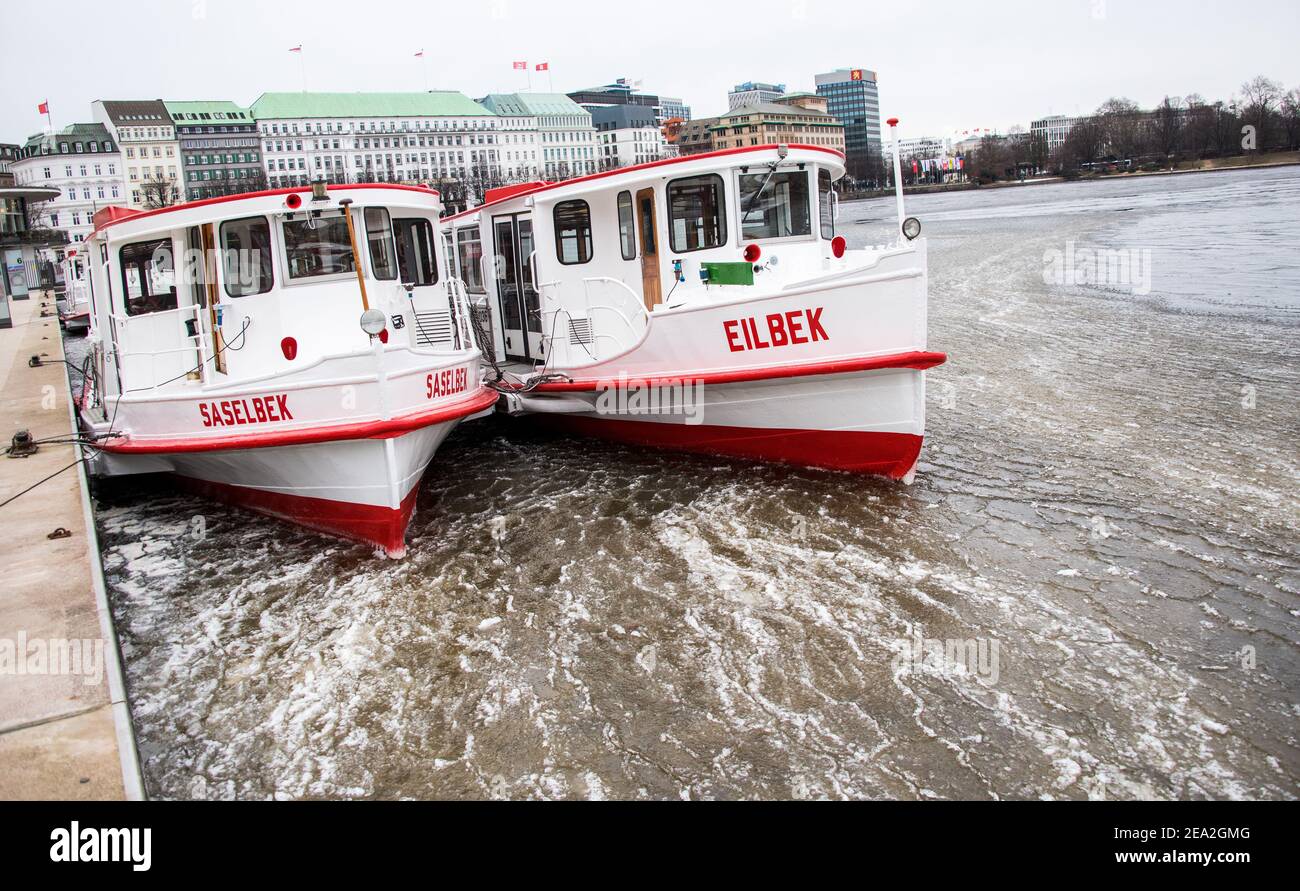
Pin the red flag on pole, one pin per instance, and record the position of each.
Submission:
(544, 66)
(420, 54)
(296, 49)
(44, 107)
(521, 66)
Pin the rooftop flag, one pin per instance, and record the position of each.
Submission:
(44, 107)
(296, 49)
(521, 66)
(420, 54)
(544, 66)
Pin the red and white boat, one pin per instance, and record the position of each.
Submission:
(706, 303)
(74, 307)
(300, 352)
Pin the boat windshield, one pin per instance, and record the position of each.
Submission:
(777, 205)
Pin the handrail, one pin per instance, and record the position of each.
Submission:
(458, 298)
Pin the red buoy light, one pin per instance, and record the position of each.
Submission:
(838, 246)
(752, 253)
(293, 202)
(289, 347)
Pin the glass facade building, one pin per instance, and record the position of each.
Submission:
(853, 96)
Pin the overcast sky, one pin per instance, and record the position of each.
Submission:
(943, 66)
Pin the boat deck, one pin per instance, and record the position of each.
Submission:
(64, 734)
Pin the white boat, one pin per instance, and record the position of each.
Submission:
(227, 349)
(706, 303)
(74, 306)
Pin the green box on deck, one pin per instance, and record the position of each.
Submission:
(729, 273)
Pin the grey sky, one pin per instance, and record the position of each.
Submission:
(943, 66)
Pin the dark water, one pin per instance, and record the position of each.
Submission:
(1107, 503)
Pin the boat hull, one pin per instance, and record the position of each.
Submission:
(867, 422)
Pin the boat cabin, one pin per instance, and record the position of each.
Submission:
(572, 273)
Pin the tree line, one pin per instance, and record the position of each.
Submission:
(1262, 117)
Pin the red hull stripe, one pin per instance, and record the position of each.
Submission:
(649, 165)
(919, 361)
(890, 455)
(271, 439)
(382, 527)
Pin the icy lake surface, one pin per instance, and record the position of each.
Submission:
(1106, 510)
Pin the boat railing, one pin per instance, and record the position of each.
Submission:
(150, 338)
(458, 299)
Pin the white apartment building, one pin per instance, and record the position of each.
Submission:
(376, 137)
(566, 139)
(627, 135)
(1054, 129)
(752, 93)
(921, 147)
(146, 136)
(81, 161)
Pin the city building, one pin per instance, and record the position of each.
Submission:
(752, 93)
(921, 147)
(566, 139)
(695, 137)
(375, 137)
(221, 153)
(150, 153)
(517, 136)
(627, 135)
(21, 260)
(624, 92)
(773, 123)
(853, 97)
(1054, 130)
(82, 161)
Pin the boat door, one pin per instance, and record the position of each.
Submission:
(651, 289)
(521, 308)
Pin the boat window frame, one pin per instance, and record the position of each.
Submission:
(270, 247)
(740, 206)
(477, 266)
(165, 240)
(559, 241)
(723, 211)
(371, 242)
(826, 211)
(290, 281)
(434, 240)
(626, 228)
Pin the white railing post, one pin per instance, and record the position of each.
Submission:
(898, 174)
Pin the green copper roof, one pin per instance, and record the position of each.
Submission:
(367, 105)
(533, 104)
(208, 112)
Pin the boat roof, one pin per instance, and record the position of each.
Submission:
(246, 204)
(513, 193)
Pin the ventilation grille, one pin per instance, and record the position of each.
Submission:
(580, 331)
(433, 328)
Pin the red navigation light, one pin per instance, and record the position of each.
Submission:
(838, 246)
(893, 122)
(293, 202)
(289, 347)
(752, 253)
(383, 336)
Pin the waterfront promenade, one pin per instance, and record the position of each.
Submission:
(64, 724)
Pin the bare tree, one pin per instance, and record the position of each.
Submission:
(158, 191)
(1122, 123)
(1259, 103)
(1290, 116)
(1168, 126)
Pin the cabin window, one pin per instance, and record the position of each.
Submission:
(573, 232)
(246, 256)
(148, 277)
(697, 220)
(416, 260)
(469, 248)
(826, 202)
(774, 205)
(318, 246)
(626, 226)
(379, 232)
